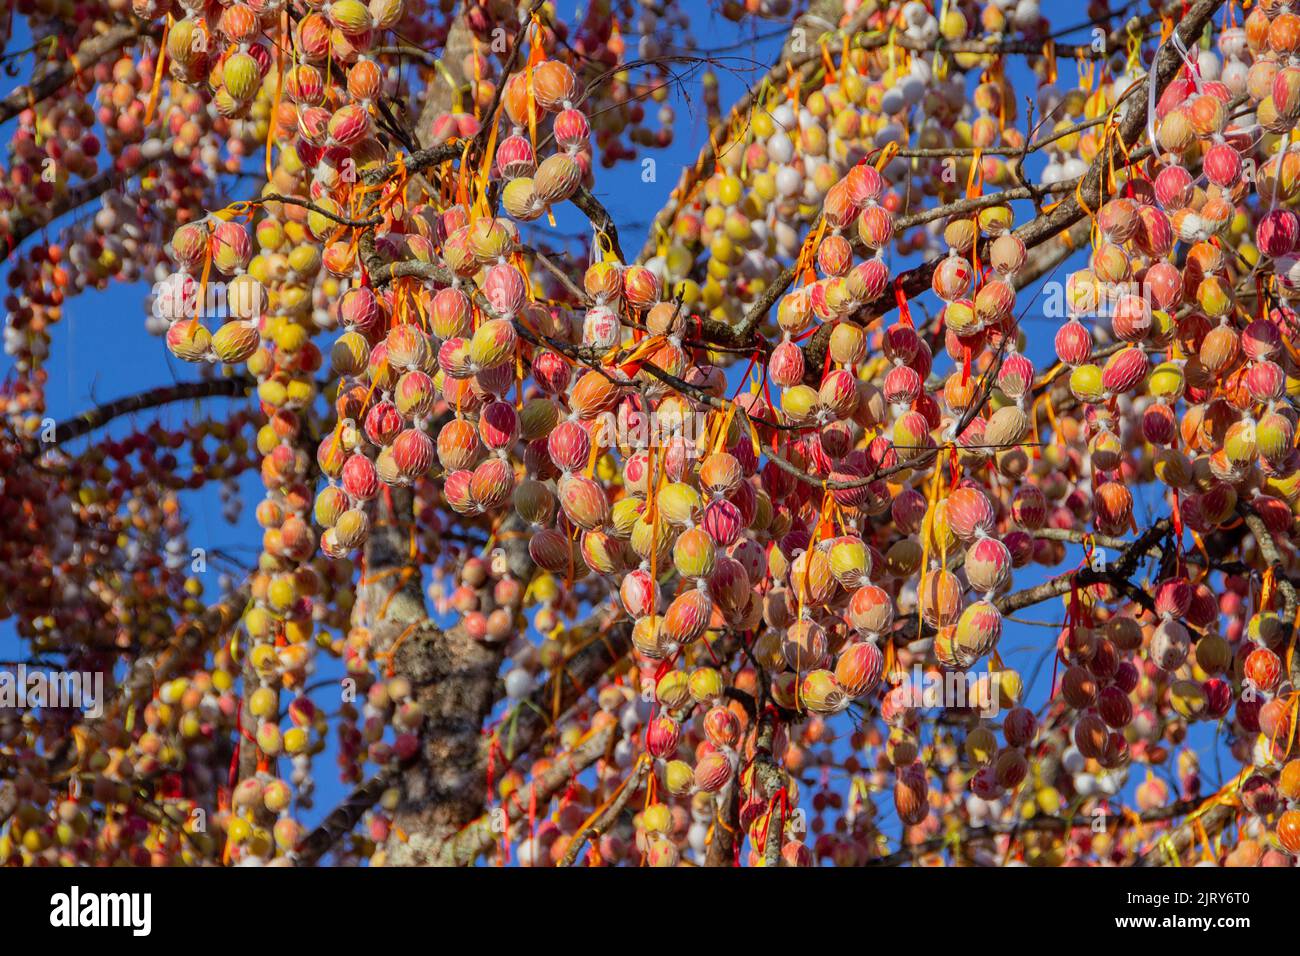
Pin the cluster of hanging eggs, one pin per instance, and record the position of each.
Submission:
(547, 89)
(54, 144)
(1269, 41)
(396, 375)
(952, 118)
(283, 359)
(714, 738)
(56, 140)
(1232, 380)
(1065, 160)
(677, 512)
(274, 277)
(842, 400)
(223, 45)
(1131, 281)
(771, 180)
(979, 319)
(853, 204)
(619, 102)
(999, 770)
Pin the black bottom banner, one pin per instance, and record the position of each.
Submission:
(143, 906)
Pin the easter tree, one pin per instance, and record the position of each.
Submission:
(652, 556)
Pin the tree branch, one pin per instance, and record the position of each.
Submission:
(76, 197)
(602, 824)
(804, 63)
(234, 386)
(343, 818)
(477, 838)
(54, 74)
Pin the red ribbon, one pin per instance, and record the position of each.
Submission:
(904, 313)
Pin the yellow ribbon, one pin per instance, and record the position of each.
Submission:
(158, 72)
